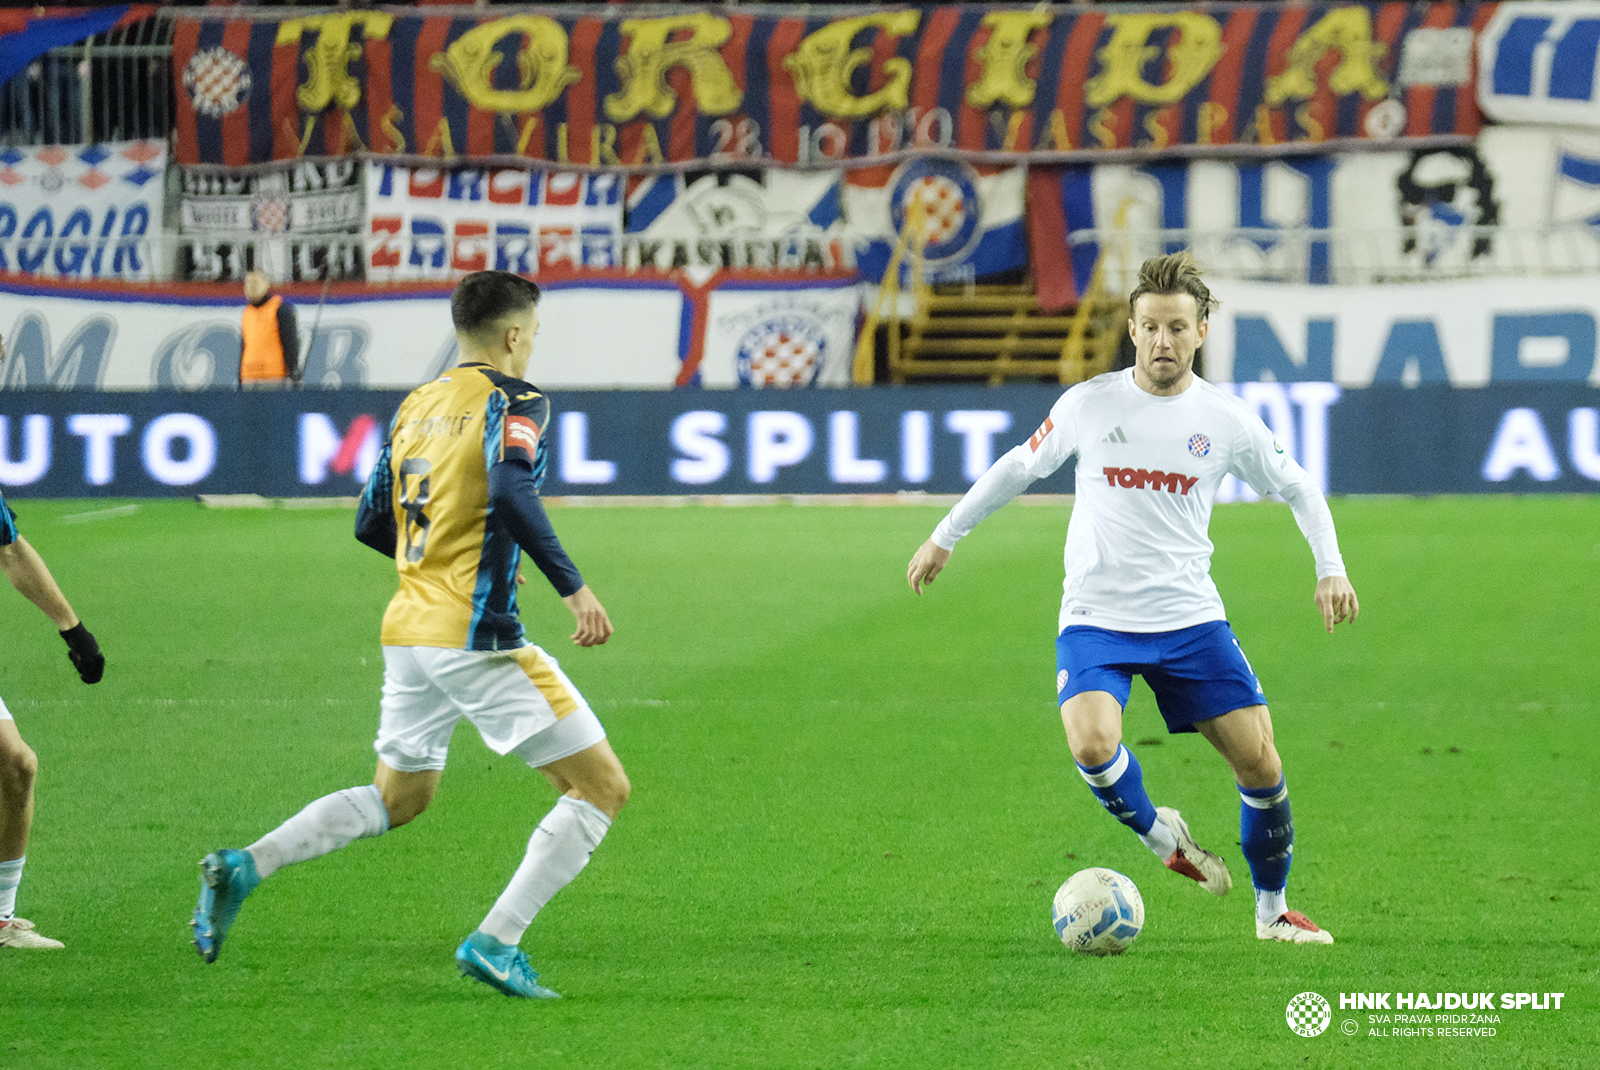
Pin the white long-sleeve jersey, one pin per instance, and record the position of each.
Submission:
(1138, 556)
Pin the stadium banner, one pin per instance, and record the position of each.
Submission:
(724, 87)
(82, 211)
(1465, 333)
(767, 219)
(429, 223)
(971, 218)
(1518, 196)
(1432, 439)
(1548, 179)
(596, 330)
(277, 220)
(1537, 63)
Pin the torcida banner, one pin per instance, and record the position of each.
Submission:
(725, 87)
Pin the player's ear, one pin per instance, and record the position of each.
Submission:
(1200, 331)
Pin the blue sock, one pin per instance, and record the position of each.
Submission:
(1119, 785)
(1266, 833)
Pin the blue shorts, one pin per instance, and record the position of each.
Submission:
(1196, 673)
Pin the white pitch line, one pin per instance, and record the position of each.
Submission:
(100, 514)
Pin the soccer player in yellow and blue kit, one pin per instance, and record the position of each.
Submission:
(454, 499)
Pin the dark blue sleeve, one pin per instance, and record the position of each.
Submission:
(8, 524)
(514, 499)
(375, 512)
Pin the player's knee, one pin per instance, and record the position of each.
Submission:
(1261, 767)
(1091, 748)
(19, 768)
(611, 794)
(1090, 753)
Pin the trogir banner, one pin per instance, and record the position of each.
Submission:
(82, 211)
(730, 88)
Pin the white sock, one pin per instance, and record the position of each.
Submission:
(557, 852)
(10, 878)
(1271, 905)
(332, 822)
(1160, 839)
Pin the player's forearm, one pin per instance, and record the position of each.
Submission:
(1311, 512)
(1005, 479)
(517, 506)
(31, 577)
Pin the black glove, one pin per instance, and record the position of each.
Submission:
(84, 653)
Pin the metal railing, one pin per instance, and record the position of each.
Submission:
(1356, 257)
(116, 86)
(304, 257)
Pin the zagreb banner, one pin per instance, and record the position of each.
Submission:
(705, 87)
(440, 224)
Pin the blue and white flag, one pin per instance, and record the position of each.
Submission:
(972, 220)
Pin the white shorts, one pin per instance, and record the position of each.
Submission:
(5, 714)
(518, 700)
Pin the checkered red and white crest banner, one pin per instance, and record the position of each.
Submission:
(82, 211)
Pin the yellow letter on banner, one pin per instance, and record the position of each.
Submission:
(469, 63)
(1004, 57)
(822, 66)
(1347, 29)
(328, 78)
(1122, 60)
(650, 55)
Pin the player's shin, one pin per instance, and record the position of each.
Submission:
(324, 826)
(557, 852)
(1119, 785)
(1266, 834)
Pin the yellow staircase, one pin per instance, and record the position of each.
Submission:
(998, 333)
(993, 333)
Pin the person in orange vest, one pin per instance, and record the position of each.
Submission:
(271, 353)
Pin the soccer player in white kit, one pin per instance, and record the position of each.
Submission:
(1153, 443)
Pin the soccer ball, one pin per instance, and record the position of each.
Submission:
(1098, 912)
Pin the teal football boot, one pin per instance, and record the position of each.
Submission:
(226, 878)
(501, 966)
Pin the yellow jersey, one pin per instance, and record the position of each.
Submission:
(430, 491)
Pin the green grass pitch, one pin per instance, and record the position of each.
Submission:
(851, 806)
